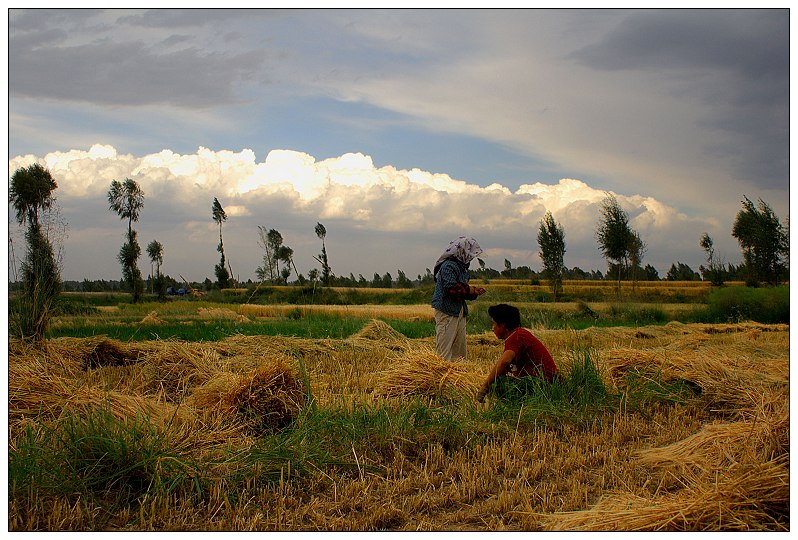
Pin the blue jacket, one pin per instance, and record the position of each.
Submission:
(451, 286)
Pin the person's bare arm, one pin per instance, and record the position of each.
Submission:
(500, 368)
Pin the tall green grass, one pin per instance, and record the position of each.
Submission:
(316, 326)
(99, 456)
(767, 305)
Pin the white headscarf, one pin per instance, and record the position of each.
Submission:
(464, 249)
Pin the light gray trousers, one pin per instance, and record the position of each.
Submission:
(450, 335)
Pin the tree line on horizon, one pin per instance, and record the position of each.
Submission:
(763, 239)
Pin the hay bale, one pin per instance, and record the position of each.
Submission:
(424, 373)
(268, 398)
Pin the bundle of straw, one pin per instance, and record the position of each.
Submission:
(151, 318)
(269, 397)
(258, 347)
(221, 313)
(423, 372)
(723, 385)
(619, 361)
(98, 351)
(37, 392)
(749, 497)
(718, 446)
(377, 330)
(176, 367)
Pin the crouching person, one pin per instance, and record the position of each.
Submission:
(524, 357)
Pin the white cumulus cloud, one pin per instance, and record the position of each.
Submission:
(399, 211)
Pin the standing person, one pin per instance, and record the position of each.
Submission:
(524, 355)
(451, 292)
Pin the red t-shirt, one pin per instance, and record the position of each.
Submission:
(531, 356)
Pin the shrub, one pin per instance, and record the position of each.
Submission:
(764, 305)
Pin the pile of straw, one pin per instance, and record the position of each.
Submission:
(268, 398)
(742, 498)
(620, 361)
(96, 352)
(152, 318)
(424, 373)
(246, 349)
(377, 330)
(177, 367)
(725, 386)
(221, 313)
(38, 392)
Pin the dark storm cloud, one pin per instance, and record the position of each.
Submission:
(734, 61)
(43, 63)
(35, 19)
(747, 41)
(182, 18)
(127, 74)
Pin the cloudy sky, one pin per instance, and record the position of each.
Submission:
(399, 130)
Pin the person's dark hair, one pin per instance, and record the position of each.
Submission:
(505, 314)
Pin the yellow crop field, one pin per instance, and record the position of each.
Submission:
(374, 432)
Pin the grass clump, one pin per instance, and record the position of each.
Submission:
(96, 455)
(576, 397)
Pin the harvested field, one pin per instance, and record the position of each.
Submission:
(374, 432)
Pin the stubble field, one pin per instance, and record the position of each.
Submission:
(667, 427)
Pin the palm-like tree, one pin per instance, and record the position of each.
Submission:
(155, 252)
(126, 198)
(30, 192)
(220, 216)
(321, 232)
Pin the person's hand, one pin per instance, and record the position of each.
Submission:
(479, 290)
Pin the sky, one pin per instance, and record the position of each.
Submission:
(398, 130)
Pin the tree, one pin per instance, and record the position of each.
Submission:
(31, 192)
(681, 272)
(650, 273)
(219, 217)
(271, 241)
(764, 242)
(155, 252)
(127, 199)
(321, 232)
(714, 271)
(402, 281)
(614, 235)
(286, 254)
(551, 241)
